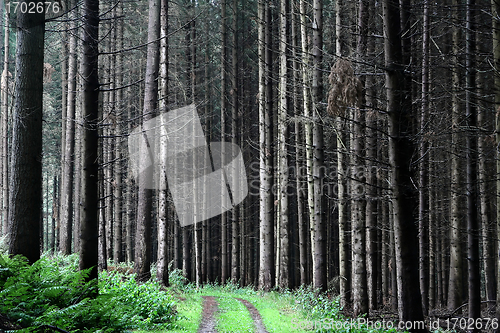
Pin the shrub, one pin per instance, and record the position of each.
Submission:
(54, 292)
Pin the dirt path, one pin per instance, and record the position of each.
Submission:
(208, 322)
(254, 313)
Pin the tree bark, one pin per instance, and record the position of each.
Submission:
(284, 282)
(142, 261)
(118, 164)
(423, 209)
(66, 229)
(90, 195)
(358, 188)
(400, 155)
(265, 154)
(25, 187)
(235, 93)
(318, 228)
(223, 110)
(162, 272)
(495, 11)
(4, 85)
(474, 282)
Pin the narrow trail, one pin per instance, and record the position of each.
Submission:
(208, 322)
(254, 313)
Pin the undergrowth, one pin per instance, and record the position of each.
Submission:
(54, 292)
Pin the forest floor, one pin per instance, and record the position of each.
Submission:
(221, 309)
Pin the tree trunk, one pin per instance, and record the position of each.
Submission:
(456, 213)
(223, 110)
(90, 194)
(284, 282)
(4, 140)
(298, 146)
(118, 164)
(400, 155)
(358, 180)
(67, 190)
(108, 145)
(495, 10)
(162, 272)
(433, 207)
(130, 199)
(25, 187)
(306, 82)
(235, 233)
(318, 228)
(342, 157)
(265, 154)
(55, 214)
(423, 209)
(142, 261)
(372, 196)
(474, 279)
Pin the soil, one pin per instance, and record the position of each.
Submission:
(208, 322)
(254, 313)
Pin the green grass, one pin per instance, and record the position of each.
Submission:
(232, 316)
(189, 307)
(277, 311)
(296, 311)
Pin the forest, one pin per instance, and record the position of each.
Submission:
(362, 137)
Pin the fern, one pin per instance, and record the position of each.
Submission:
(53, 292)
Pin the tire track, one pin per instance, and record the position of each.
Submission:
(208, 322)
(254, 313)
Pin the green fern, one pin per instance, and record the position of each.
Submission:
(54, 292)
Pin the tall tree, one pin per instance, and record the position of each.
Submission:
(142, 262)
(235, 232)
(400, 154)
(495, 10)
(358, 179)
(162, 273)
(318, 227)
(4, 86)
(67, 175)
(474, 283)
(306, 91)
(284, 281)
(89, 231)
(25, 174)
(265, 153)
(299, 165)
(223, 112)
(423, 154)
(118, 165)
(344, 258)
(456, 211)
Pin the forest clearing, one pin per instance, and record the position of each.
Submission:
(265, 166)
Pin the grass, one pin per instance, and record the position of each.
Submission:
(298, 311)
(277, 310)
(232, 316)
(189, 307)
